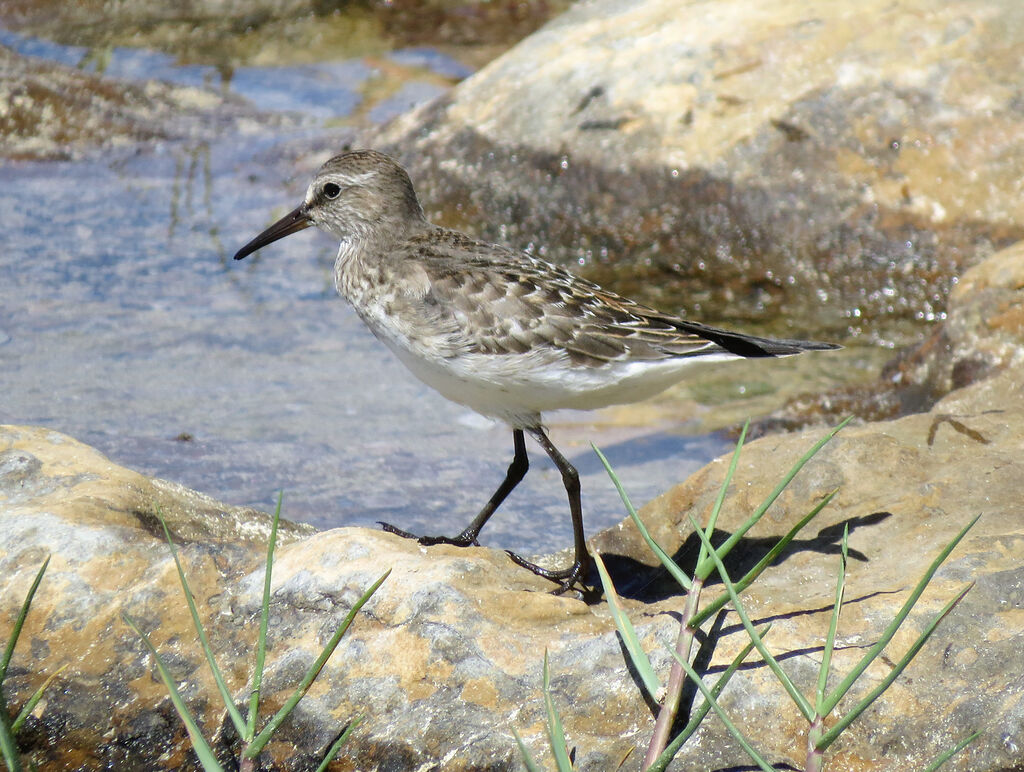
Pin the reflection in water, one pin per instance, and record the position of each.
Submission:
(193, 173)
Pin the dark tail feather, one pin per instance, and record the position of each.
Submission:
(751, 346)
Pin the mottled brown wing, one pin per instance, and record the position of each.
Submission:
(507, 302)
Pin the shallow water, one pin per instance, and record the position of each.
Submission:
(124, 322)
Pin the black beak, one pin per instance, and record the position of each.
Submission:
(293, 222)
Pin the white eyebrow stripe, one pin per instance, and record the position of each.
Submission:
(350, 180)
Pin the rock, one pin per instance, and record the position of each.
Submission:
(832, 165)
(52, 111)
(99, 524)
(445, 659)
(70, 481)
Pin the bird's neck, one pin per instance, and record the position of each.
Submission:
(363, 256)
(354, 266)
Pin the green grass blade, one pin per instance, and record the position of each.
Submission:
(729, 543)
(833, 733)
(261, 641)
(336, 745)
(697, 718)
(8, 747)
(830, 638)
(29, 706)
(890, 631)
(952, 752)
(20, 621)
(773, 664)
(229, 702)
(666, 560)
(748, 579)
(637, 655)
(702, 555)
(199, 744)
(254, 748)
(733, 730)
(531, 765)
(556, 732)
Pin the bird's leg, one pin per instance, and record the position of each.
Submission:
(577, 572)
(516, 472)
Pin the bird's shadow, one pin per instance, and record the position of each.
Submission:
(639, 581)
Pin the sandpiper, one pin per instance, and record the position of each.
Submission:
(497, 330)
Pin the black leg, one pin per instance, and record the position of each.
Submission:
(516, 472)
(577, 572)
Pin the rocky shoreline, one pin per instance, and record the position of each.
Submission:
(857, 171)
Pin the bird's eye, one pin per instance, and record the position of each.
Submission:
(330, 190)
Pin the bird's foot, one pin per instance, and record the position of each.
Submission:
(564, 578)
(462, 540)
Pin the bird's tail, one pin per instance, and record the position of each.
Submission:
(752, 346)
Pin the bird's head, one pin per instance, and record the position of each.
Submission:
(359, 195)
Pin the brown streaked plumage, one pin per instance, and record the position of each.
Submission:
(499, 331)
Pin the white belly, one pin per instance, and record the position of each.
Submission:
(518, 388)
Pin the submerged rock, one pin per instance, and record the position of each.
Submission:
(52, 111)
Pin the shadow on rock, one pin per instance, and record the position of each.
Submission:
(638, 581)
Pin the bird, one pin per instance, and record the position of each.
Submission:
(495, 329)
